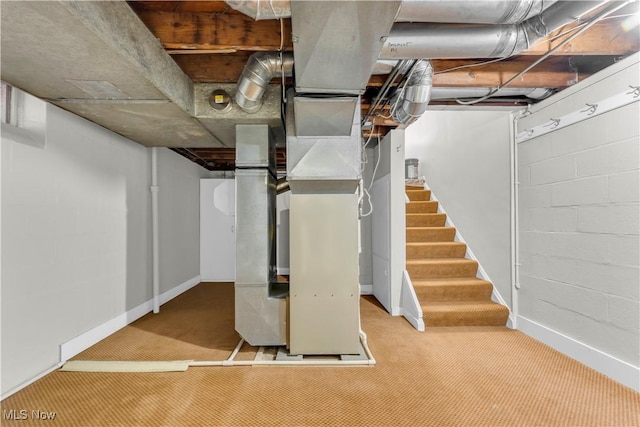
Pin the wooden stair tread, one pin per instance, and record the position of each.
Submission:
(435, 250)
(463, 306)
(436, 261)
(427, 206)
(418, 195)
(418, 244)
(453, 281)
(431, 228)
(425, 219)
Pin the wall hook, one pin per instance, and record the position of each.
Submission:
(635, 92)
(554, 123)
(590, 110)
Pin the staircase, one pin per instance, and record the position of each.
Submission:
(444, 280)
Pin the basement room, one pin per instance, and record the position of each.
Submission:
(314, 213)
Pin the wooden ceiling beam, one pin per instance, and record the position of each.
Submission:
(607, 37)
(210, 32)
(213, 6)
(555, 72)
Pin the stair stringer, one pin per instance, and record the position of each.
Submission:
(482, 274)
(410, 307)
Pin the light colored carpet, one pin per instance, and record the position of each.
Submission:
(455, 376)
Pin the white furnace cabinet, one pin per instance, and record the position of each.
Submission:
(217, 230)
(324, 288)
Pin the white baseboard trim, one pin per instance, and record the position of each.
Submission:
(416, 322)
(410, 305)
(177, 290)
(366, 289)
(100, 332)
(283, 270)
(614, 368)
(31, 381)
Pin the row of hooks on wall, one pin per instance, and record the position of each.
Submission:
(591, 110)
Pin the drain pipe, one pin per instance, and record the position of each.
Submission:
(258, 72)
(515, 250)
(155, 234)
(411, 101)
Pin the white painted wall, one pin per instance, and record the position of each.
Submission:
(464, 157)
(179, 218)
(579, 217)
(217, 230)
(76, 230)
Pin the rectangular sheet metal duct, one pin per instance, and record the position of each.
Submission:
(337, 43)
(260, 318)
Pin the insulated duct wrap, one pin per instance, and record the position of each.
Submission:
(411, 101)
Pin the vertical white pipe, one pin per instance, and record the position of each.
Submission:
(154, 221)
(515, 261)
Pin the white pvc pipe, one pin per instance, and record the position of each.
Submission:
(321, 362)
(155, 234)
(515, 257)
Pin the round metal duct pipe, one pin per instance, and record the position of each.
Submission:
(441, 93)
(408, 104)
(471, 12)
(258, 72)
(451, 11)
(429, 40)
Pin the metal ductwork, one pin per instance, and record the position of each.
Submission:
(427, 40)
(451, 11)
(442, 93)
(471, 12)
(411, 101)
(257, 73)
(262, 9)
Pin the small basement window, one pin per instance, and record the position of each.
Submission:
(22, 116)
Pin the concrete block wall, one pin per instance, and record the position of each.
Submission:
(579, 219)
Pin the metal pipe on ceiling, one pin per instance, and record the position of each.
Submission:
(442, 93)
(450, 11)
(410, 102)
(258, 72)
(434, 40)
(471, 12)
